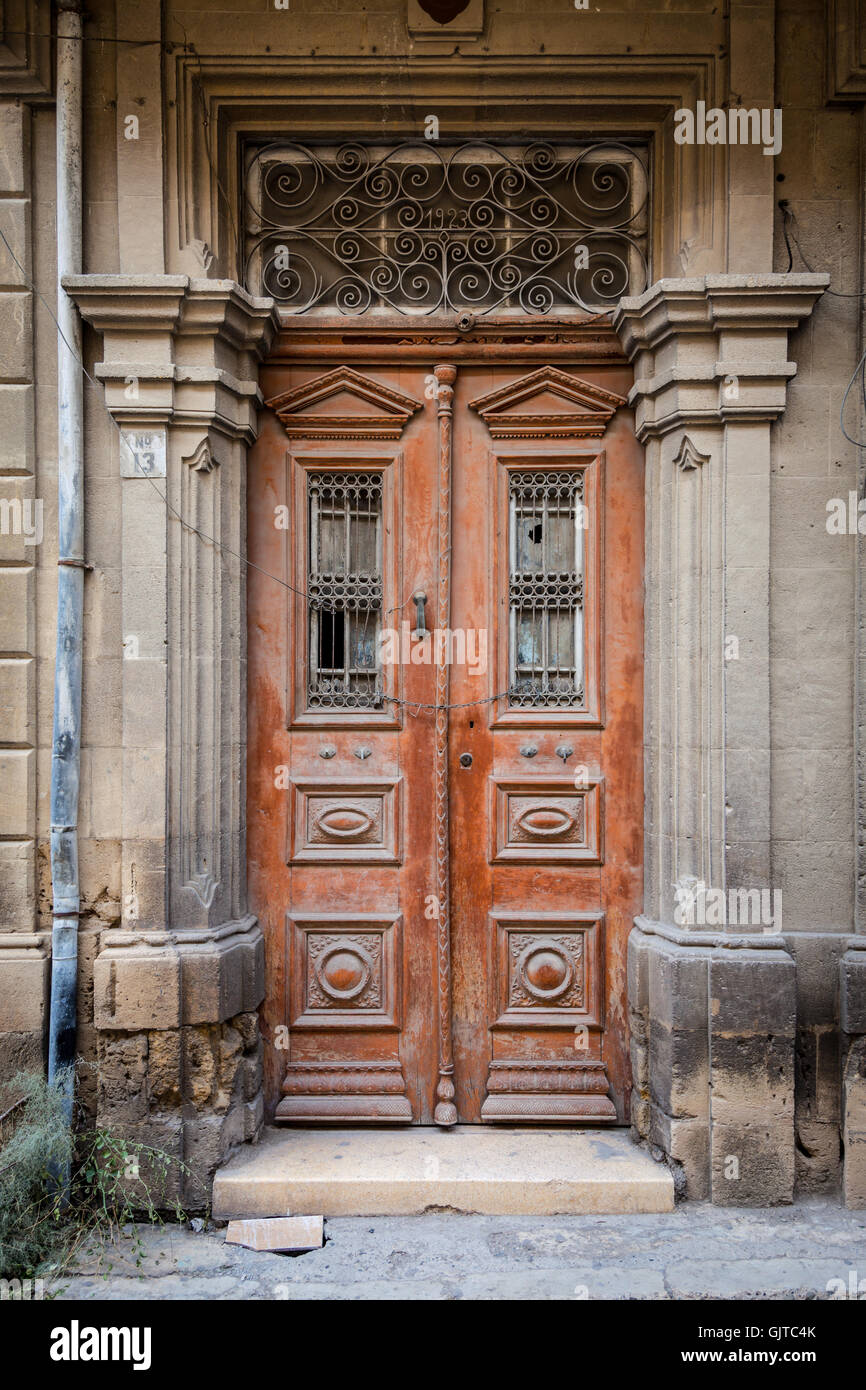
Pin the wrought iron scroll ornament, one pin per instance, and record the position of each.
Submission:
(423, 229)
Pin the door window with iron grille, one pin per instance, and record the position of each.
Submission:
(344, 590)
(547, 522)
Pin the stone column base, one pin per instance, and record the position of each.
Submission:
(180, 1055)
(713, 1048)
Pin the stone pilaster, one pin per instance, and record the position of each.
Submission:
(713, 1028)
(852, 999)
(177, 986)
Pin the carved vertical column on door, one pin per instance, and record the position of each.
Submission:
(445, 1112)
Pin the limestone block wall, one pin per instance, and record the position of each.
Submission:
(25, 526)
(813, 572)
(816, 728)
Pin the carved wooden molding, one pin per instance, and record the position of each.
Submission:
(445, 1112)
(345, 821)
(590, 407)
(545, 822)
(344, 1092)
(558, 1092)
(388, 410)
(343, 1078)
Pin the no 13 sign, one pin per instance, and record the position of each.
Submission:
(142, 454)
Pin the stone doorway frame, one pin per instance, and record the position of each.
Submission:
(179, 982)
(190, 964)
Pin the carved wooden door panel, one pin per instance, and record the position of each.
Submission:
(341, 777)
(445, 893)
(547, 819)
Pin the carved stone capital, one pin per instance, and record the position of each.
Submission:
(178, 351)
(714, 349)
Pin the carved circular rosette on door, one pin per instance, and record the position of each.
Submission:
(545, 969)
(344, 970)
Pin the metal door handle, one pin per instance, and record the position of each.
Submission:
(419, 598)
(465, 759)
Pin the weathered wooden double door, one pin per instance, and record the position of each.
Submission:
(445, 700)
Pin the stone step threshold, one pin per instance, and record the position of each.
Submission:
(495, 1172)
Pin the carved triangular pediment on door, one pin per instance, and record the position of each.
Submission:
(343, 404)
(547, 404)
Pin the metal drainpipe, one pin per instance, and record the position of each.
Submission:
(66, 736)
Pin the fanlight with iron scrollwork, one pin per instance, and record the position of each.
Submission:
(425, 229)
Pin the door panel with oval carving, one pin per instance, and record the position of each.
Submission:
(445, 895)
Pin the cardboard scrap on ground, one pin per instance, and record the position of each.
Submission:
(277, 1233)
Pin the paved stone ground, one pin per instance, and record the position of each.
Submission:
(695, 1252)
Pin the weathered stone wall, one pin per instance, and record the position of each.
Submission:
(713, 1029)
(23, 958)
(179, 1061)
(813, 573)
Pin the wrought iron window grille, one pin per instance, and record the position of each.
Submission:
(547, 524)
(344, 590)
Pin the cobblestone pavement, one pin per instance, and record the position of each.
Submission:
(695, 1252)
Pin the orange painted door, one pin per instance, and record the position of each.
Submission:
(445, 895)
